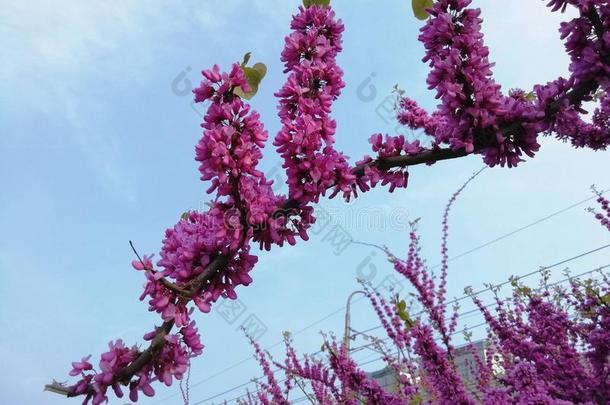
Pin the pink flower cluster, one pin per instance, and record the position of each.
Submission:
(170, 362)
(472, 109)
(568, 123)
(339, 382)
(271, 387)
(440, 373)
(94, 385)
(233, 134)
(243, 210)
(413, 116)
(587, 40)
(548, 354)
(229, 153)
(475, 116)
(604, 216)
(206, 255)
(245, 204)
(306, 138)
(548, 346)
(391, 146)
(588, 45)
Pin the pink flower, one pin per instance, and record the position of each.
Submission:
(145, 264)
(78, 367)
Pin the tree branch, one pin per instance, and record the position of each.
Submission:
(194, 287)
(172, 287)
(125, 375)
(166, 283)
(428, 157)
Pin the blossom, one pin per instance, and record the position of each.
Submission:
(604, 216)
(306, 138)
(548, 357)
(78, 367)
(390, 146)
(94, 384)
(551, 345)
(191, 338)
(144, 264)
(475, 116)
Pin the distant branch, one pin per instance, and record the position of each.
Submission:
(575, 97)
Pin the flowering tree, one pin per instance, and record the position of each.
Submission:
(206, 255)
(544, 346)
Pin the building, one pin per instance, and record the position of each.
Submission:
(464, 360)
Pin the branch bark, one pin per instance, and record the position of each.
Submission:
(428, 157)
(194, 287)
(125, 375)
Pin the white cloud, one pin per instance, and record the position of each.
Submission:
(57, 51)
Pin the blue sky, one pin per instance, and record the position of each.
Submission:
(97, 133)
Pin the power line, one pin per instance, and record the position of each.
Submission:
(249, 358)
(300, 399)
(477, 310)
(452, 301)
(531, 224)
(460, 316)
(540, 270)
(341, 309)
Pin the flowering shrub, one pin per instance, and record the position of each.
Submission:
(207, 255)
(545, 346)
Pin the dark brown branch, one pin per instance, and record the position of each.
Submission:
(172, 287)
(166, 283)
(146, 356)
(598, 28)
(198, 283)
(575, 97)
(125, 375)
(212, 269)
(427, 157)
(598, 25)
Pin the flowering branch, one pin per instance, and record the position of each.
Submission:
(206, 255)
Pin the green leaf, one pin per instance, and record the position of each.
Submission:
(184, 216)
(261, 69)
(401, 310)
(246, 59)
(254, 75)
(417, 399)
(321, 3)
(419, 8)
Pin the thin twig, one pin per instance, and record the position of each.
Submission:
(575, 97)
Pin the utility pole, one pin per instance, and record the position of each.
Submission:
(347, 330)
